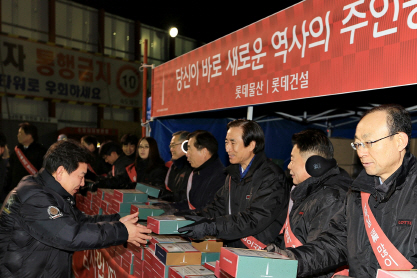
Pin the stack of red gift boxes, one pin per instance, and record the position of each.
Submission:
(166, 254)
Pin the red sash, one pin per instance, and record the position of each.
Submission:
(191, 206)
(253, 243)
(131, 171)
(25, 162)
(112, 170)
(292, 241)
(166, 178)
(389, 258)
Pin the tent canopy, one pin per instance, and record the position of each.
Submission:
(338, 115)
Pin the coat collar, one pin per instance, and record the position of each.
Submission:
(30, 146)
(49, 182)
(181, 162)
(233, 170)
(382, 192)
(312, 184)
(213, 158)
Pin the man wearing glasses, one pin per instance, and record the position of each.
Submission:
(375, 229)
(251, 207)
(179, 171)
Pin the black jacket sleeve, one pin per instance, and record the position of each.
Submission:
(263, 209)
(178, 193)
(270, 198)
(65, 232)
(121, 181)
(9, 176)
(324, 214)
(156, 176)
(166, 195)
(3, 177)
(215, 185)
(218, 206)
(83, 218)
(327, 252)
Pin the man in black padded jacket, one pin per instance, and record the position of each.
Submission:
(252, 205)
(319, 191)
(40, 227)
(207, 176)
(375, 228)
(113, 154)
(178, 173)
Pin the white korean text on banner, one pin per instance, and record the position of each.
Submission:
(314, 48)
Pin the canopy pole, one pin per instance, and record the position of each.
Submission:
(145, 87)
(250, 113)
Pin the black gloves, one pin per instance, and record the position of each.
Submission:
(200, 228)
(273, 248)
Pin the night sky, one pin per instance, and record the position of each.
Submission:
(204, 21)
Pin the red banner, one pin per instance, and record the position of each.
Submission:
(314, 48)
(96, 263)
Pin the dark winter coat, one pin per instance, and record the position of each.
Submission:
(346, 239)
(177, 181)
(259, 203)
(206, 181)
(100, 168)
(154, 176)
(316, 200)
(40, 228)
(34, 153)
(120, 165)
(3, 174)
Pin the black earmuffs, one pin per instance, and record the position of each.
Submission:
(317, 165)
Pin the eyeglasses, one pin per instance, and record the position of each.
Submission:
(173, 145)
(368, 144)
(143, 147)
